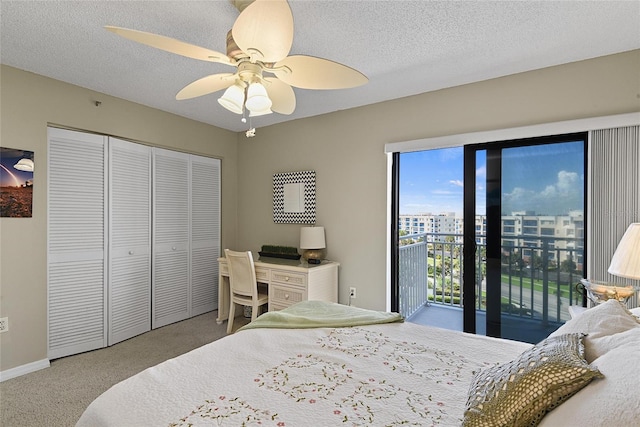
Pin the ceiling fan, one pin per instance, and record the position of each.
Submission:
(258, 43)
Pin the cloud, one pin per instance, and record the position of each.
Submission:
(456, 182)
(555, 199)
(567, 181)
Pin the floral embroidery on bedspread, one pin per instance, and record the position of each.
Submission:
(358, 377)
(407, 357)
(319, 378)
(232, 412)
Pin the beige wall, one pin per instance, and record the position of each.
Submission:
(344, 148)
(28, 104)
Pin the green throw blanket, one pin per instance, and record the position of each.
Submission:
(320, 314)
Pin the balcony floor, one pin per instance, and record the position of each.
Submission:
(514, 328)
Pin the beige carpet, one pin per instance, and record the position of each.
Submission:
(58, 395)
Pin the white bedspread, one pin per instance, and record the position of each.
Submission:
(379, 375)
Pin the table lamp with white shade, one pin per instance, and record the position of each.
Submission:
(312, 244)
(626, 259)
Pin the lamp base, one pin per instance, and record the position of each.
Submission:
(313, 256)
(599, 292)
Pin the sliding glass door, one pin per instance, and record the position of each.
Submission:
(528, 208)
(489, 238)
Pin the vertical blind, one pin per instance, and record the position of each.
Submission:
(614, 163)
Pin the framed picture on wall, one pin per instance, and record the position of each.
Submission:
(16, 183)
(294, 197)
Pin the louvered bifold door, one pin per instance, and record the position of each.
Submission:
(171, 201)
(76, 244)
(129, 240)
(205, 233)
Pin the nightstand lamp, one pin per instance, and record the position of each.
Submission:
(312, 244)
(625, 263)
(626, 260)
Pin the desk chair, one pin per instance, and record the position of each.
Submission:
(243, 285)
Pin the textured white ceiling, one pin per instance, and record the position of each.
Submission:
(404, 47)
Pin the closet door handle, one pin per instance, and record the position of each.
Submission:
(130, 252)
(173, 248)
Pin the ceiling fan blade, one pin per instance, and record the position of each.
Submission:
(282, 96)
(171, 45)
(309, 72)
(206, 85)
(264, 30)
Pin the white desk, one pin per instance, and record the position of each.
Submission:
(289, 282)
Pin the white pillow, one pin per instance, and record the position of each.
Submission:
(603, 320)
(609, 401)
(635, 311)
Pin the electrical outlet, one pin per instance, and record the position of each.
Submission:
(352, 292)
(4, 324)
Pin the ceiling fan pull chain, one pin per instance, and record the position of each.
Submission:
(251, 132)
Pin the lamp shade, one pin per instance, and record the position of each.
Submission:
(312, 238)
(233, 99)
(257, 99)
(626, 259)
(260, 113)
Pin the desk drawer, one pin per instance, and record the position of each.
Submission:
(277, 307)
(262, 275)
(284, 296)
(288, 278)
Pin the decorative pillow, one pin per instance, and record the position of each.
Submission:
(603, 320)
(610, 401)
(521, 392)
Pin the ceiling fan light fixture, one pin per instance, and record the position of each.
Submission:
(260, 113)
(233, 99)
(260, 40)
(257, 99)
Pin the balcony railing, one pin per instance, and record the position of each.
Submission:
(538, 274)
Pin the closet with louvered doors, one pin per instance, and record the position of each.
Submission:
(186, 235)
(129, 285)
(204, 233)
(171, 200)
(130, 232)
(76, 243)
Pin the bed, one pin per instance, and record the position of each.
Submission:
(325, 364)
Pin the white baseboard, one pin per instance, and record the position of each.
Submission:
(24, 369)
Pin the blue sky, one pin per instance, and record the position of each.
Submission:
(431, 181)
(546, 179)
